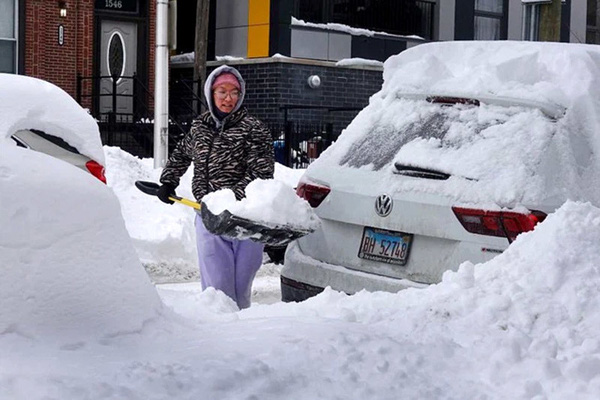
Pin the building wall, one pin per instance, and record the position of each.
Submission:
(242, 28)
(455, 14)
(578, 21)
(515, 20)
(446, 11)
(45, 58)
(272, 84)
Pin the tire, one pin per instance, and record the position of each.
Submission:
(276, 254)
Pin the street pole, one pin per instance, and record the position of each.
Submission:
(200, 46)
(161, 85)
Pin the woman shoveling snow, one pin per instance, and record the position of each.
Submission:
(229, 149)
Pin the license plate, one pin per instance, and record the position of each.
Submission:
(386, 246)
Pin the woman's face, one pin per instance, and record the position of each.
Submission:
(226, 97)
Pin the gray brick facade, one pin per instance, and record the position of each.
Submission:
(271, 86)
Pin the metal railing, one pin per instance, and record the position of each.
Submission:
(132, 129)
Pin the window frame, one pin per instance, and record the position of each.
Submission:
(502, 18)
(531, 21)
(15, 38)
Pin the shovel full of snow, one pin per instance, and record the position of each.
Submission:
(219, 212)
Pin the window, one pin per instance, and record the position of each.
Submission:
(593, 29)
(8, 36)
(531, 22)
(490, 20)
(402, 17)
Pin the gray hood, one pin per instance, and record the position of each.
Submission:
(208, 89)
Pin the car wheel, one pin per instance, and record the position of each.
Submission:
(276, 253)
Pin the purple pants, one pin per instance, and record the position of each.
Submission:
(228, 265)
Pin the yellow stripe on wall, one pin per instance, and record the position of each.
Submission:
(259, 18)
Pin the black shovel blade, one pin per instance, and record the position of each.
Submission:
(234, 227)
(150, 188)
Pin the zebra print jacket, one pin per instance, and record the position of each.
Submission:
(226, 157)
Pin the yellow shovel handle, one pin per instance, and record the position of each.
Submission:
(185, 201)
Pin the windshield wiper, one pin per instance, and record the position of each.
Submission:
(416, 172)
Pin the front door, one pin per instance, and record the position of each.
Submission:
(118, 64)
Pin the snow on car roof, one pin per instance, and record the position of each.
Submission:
(556, 73)
(536, 143)
(30, 103)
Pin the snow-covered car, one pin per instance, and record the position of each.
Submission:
(55, 146)
(466, 146)
(38, 115)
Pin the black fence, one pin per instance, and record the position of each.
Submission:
(296, 144)
(132, 129)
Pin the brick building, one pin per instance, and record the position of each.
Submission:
(77, 44)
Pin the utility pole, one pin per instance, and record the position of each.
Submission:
(161, 85)
(200, 47)
(550, 21)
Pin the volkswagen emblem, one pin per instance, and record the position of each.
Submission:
(383, 205)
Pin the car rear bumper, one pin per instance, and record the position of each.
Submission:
(303, 277)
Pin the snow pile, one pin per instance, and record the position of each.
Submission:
(160, 233)
(521, 325)
(268, 201)
(69, 272)
(358, 62)
(555, 73)
(30, 103)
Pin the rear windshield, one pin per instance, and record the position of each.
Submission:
(450, 124)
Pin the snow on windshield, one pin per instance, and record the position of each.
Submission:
(30, 103)
(513, 151)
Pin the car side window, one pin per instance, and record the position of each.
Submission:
(18, 142)
(55, 140)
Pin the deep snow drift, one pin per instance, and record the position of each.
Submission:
(68, 268)
(522, 326)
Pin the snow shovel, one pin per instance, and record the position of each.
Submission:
(233, 226)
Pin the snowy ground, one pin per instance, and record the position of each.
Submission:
(522, 326)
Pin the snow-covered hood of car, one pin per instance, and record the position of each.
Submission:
(30, 103)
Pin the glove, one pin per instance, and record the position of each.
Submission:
(164, 191)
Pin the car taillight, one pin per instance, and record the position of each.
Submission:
(506, 224)
(96, 169)
(312, 192)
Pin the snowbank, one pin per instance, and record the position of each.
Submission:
(526, 320)
(30, 103)
(69, 272)
(521, 326)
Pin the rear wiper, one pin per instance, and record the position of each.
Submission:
(417, 172)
